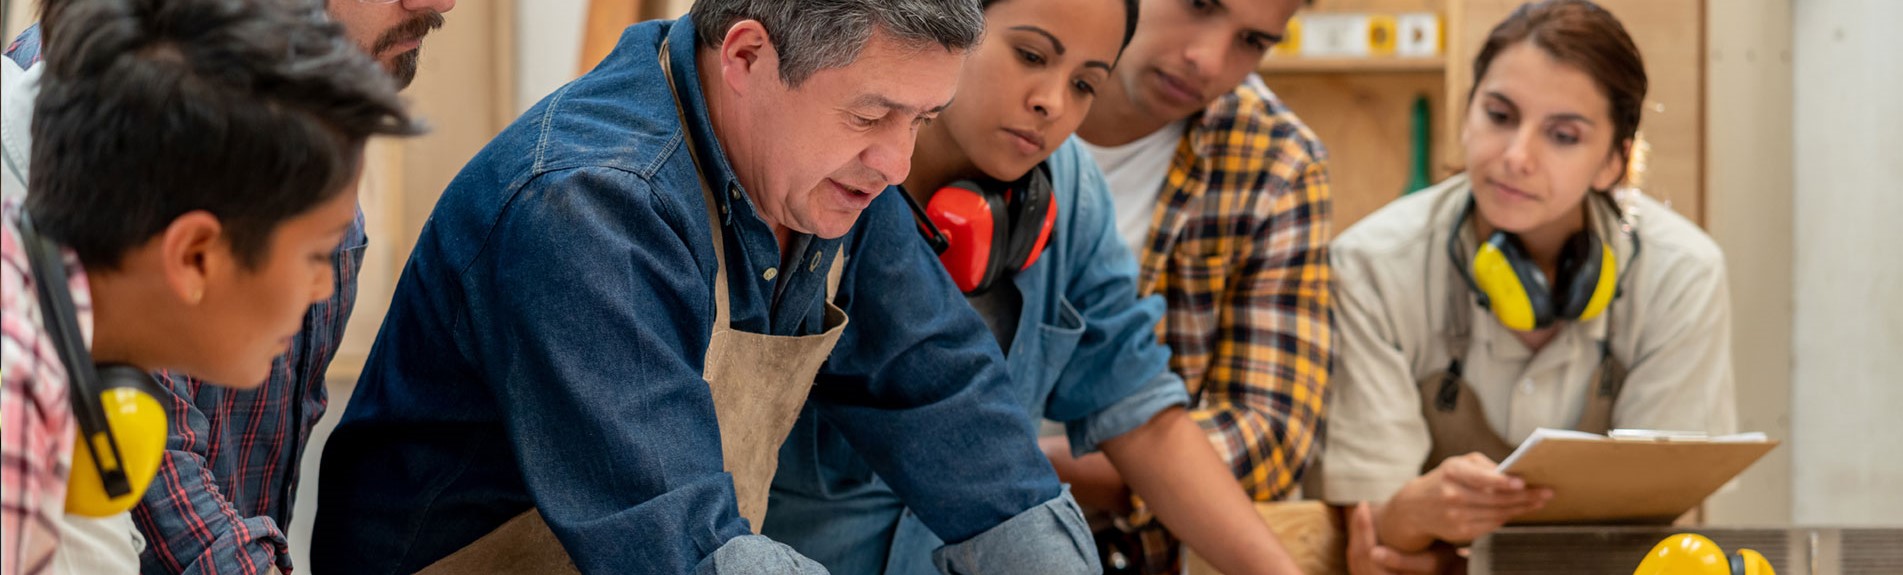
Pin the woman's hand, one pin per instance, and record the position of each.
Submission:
(1367, 556)
(1459, 501)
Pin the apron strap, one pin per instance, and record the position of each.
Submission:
(714, 220)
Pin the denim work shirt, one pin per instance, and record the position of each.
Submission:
(546, 340)
(1086, 354)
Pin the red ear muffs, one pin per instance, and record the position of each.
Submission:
(987, 231)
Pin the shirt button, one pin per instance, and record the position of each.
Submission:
(733, 192)
(1526, 385)
(770, 274)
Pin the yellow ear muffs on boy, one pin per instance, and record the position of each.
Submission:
(1693, 554)
(122, 425)
(1512, 286)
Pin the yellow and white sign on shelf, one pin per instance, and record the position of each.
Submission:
(1360, 35)
(1381, 35)
(1418, 34)
(1334, 35)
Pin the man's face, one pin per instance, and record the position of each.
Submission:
(1186, 53)
(815, 156)
(391, 32)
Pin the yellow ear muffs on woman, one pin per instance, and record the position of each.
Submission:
(1512, 286)
(122, 425)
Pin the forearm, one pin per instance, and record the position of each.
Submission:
(1093, 480)
(1394, 530)
(1170, 463)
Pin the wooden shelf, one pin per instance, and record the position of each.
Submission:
(1372, 64)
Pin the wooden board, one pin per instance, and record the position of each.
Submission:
(1313, 534)
(1363, 120)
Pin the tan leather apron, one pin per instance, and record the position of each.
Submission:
(1457, 422)
(759, 384)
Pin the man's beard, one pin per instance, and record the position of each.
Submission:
(403, 67)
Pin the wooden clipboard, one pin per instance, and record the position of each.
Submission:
(1598, 479)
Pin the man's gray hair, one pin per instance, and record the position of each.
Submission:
(812, 35)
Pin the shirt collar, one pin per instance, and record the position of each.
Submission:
(682, 46)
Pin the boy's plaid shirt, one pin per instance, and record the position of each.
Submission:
(1238, 246)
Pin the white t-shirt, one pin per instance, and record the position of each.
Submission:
(1136, 173)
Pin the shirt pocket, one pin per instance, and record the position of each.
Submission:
(1059, 341)
(1197, 281)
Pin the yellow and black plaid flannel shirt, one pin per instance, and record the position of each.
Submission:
(1238, 246)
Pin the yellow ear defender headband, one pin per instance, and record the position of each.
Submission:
(1693, 554)
(122, 425)
(1512, 286)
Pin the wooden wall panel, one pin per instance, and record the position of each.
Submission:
(19, 14)
(1361, 108)
(1363, 120)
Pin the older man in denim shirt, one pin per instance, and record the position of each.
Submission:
(545, 345)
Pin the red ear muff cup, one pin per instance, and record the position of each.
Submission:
(969, 223)
(994, 230)
(1035, 216)
(1043, 235)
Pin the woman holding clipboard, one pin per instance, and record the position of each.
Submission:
(1529, 291)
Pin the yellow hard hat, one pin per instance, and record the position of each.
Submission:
(1693, 554)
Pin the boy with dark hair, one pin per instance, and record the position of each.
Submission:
(194, 168)
(222, 501)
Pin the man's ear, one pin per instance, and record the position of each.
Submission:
(748, 57)
(193, 250)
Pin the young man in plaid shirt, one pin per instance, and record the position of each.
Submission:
(1223, 194)
(223, 497)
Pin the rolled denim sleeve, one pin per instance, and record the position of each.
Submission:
(1119, 376)
(1048, 539)
(754, 554)
(1130, 413)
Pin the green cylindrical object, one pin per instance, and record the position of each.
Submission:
(1418, 129)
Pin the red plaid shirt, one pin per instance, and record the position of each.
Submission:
(36, 419)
